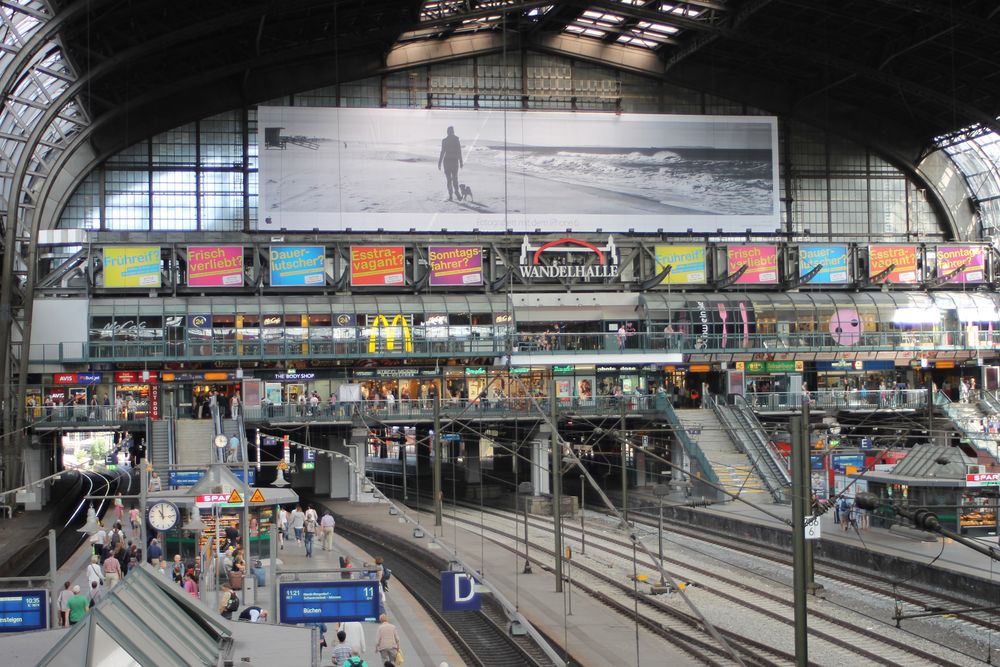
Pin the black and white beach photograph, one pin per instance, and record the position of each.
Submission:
(392, 169)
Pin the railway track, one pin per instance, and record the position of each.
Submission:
(868, 581)
(839, 640)
(480, 638)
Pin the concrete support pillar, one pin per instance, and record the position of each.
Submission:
(473, 468)
(540, 467)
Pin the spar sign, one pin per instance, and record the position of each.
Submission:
(983, 479)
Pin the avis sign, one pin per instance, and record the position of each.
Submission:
(983, 479)
(458, 592)
(569, 259)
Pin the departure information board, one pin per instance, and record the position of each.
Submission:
(23, 610)
(330, 601)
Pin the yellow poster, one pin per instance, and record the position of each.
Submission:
(132, 266)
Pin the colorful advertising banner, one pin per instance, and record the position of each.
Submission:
(688, 262)
(434, 169)
(833, 259)
(136, 266)
(294, 265)
(971, 259)
(378, 265)
(455, 265)
(902, 257)
(761, 262)
(215, 266)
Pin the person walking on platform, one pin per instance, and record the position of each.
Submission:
(76, 606)
(94, 572)
(387, 641)
(355, 636)
(64, 595)
(341, 650)
(327, 523)
(309, 529)
(282, 527)
(354, 661)
(298, 520)
(112, 571)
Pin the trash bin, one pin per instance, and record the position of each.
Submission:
(258, 572)
(236, 581)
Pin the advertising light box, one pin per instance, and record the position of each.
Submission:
(215, 266)
(761, 262)
(903, 259)
(21, 611)
(965, 264)
(378, 265)
(455, 265)
(688, 262)
(132, 266)
(832, 259)
(293, 266)
(330, 601)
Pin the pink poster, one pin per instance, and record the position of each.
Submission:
(215, 266)
(761, 262)
(961, 264)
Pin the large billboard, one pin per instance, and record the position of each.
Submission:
(297, 265)
(132, 266)
(215, 266)
(378, 265)
(687, 262)
(961, 263)
(761, 262)
(901, 258)
(335, 169)
(455, 265)
(832, 260)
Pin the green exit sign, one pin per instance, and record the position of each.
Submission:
(308, 466)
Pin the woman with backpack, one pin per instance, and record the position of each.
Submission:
(228, 602)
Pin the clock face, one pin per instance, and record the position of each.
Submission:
(163, 515)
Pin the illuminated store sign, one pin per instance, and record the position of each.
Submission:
(569, 259)
(382, 322)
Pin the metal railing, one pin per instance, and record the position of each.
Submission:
(970, 428)
(751, 439)
(839, 399)
(416, 345)
(693, 451)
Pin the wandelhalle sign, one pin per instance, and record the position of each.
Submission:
(569, 259)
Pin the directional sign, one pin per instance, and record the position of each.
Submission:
(257, 497)
(812, 528)
(458, 592)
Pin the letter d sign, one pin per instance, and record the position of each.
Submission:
(458, 592)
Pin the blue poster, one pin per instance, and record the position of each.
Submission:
(23, 610)
(832, 258)
(330, 601)
(297, 265)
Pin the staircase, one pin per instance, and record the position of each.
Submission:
(736, 475)
(194, 442)
(161, 442)
(968, 418)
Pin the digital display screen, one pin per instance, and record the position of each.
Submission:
(23, 610)
(330, 601)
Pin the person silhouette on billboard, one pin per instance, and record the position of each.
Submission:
(451, 158)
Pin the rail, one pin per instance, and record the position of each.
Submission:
(693, 451)
(839, 399)
(359, 343)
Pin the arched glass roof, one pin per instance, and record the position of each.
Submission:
(975, 151)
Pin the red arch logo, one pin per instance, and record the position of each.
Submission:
(568, 241)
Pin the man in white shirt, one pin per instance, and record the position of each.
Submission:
(327, 523)
(355, 636)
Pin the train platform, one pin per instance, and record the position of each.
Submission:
(898, 542)
(596, 637)
(420, 640)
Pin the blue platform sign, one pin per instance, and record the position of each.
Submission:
(451, 437)
(833, 259)
(458, 592)
(21, 611)
(191, 477)
(330, 601)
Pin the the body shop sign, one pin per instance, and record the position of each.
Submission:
(569, 259)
